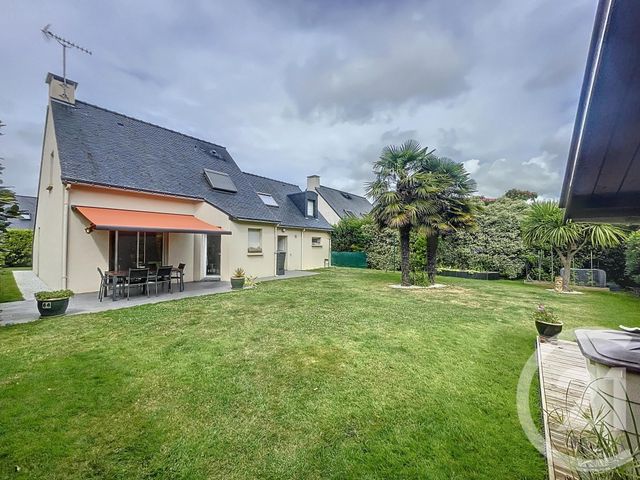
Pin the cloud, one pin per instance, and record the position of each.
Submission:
(472, 166)
(294, 88)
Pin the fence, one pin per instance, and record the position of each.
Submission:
(349, 259)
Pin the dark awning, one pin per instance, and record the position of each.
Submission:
(602, 180)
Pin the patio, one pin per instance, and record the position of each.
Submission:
(26, 311)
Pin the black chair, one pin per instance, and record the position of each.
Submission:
(105, 283)
(162, 276)
(138, 278)
(179, 275)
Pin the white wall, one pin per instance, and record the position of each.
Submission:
(327, 212)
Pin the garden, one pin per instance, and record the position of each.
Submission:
(331, 376)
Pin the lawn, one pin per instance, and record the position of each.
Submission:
(332, 376)
(9, 291)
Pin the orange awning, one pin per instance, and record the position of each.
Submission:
(137, 221)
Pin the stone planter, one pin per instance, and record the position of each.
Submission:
(53, 307)
(237, 283)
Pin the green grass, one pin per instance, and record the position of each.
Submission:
(9, 291)
(332, 376)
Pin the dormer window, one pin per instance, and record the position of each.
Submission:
(25, 215)
(268, 199)
(311, 208)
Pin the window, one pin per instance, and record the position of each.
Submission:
(349, 213)
(311, 208)
(220, 181)
(316, 241)
(134, 249)
(255, 240)
(25, 215)
(267, 199)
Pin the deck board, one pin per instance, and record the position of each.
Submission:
(563, 381)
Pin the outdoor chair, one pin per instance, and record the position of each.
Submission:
(179, 275)
(137, 278)
(105, 283)
(162, 276)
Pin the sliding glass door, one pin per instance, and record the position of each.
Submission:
(131, 249)
(213, 255)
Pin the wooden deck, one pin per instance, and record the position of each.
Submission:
(563, 381)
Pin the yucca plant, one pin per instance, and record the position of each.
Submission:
(403, 194)
(545, 226)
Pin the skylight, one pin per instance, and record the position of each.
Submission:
(267, 199)
(220, 181)
(349, 213)
(346, 195)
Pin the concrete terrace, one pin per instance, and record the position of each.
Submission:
(26, 310)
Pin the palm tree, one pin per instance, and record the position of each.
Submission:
(545, 226)
(403, 194)
(456, 208)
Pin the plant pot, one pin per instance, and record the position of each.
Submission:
(237, 283)
(548, 329)
(53, 307)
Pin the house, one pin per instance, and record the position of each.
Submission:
(336, 204)
(116, 192)
(27, 209)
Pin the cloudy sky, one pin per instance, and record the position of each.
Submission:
(294, 88)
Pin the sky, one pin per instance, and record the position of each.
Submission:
(295, 88)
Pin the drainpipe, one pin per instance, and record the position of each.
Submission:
(302, 250)
(275, 251)
(65, 233)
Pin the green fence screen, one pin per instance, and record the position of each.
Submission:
(349, 259)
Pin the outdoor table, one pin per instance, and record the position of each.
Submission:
(116, 275)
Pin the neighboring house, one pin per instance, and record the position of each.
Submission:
(27, 208)
(115, 192)
(336, 204)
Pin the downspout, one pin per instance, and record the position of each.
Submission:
(275, 250)
(65, 233)
(302, 250)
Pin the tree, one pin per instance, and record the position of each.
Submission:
(455, 206)
(349, 236)
(8, 206)
(632, 257)
(544, 226)
(516, 194)
(403, 194)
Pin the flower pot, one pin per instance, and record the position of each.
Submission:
(52, 307)
(237, 283)
(548, 329)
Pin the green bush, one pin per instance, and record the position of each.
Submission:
(632, 257)
(53, 295)
(383, 250)
(349, 236)
(16, 248)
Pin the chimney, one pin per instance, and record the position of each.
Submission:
(58, 90)
(313, 181)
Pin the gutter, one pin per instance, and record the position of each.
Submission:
(65, 233)
(600, 29)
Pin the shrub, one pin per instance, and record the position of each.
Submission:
(543, 314)
(632, 257)
(350, 236)
(383, 249)
(16, 247)
(53, 295)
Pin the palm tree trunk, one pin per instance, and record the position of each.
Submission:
(432, 253)
(405, 236)
(566, 274)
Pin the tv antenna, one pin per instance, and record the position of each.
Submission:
(48, 34)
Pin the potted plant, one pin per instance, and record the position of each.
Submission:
(51, 303)
(237, 280)
(547, 322)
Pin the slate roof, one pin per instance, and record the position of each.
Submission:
(102, 147)
(340, 203)
(288, 214)
(26, 204)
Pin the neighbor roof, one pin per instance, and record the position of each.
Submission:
(26, 205)
(101, 147)
(345, 203)
(288, 214)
